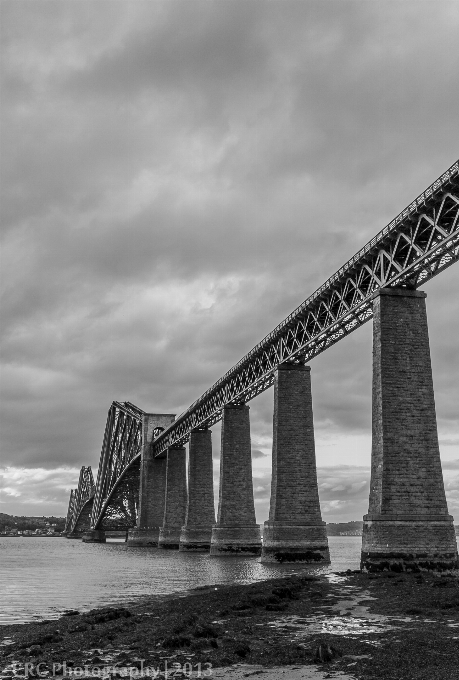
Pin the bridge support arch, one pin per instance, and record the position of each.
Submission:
(295, 531)
(200, 513)
(236, 531)
(80, 506)
(152, 484)
(407, 526)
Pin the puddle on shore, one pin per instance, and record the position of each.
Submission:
(336, 578)
(352, 619)
(6, 641)
(299, 627)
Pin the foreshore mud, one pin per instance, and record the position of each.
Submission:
(351, 626)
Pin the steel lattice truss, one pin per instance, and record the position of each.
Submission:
(70, 511)
(79, 497)
(418, 244)
(117, 488)
(121, 508)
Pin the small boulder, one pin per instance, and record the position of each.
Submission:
(205, 630)
(96, 660)
(35, 650)
(325, 653)
(242, 649)
(176, 641)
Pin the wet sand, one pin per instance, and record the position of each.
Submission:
(351, 626)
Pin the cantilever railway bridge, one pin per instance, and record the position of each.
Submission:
(421, 242)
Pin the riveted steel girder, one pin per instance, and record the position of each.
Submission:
(70, 511)
(78, 498)
(120, 509)
(418, 244)
(115, 503)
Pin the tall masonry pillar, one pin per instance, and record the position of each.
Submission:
(407, 527)
(236, 531)
(152, 484)
(176, 498)
(295, 531)
(200, 512)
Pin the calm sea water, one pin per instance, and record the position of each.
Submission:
(41, 577)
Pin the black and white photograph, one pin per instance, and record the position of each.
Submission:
(229, 321)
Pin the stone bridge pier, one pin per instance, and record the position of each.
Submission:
(236, 531)
(407, 527)
(295, 531)
(94, 536)
(152, 485)
(200, 513)
(175, 501)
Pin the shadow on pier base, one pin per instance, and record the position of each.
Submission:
(169, 538)
(195, 538)
(227, 541)
(419, 544)
(143, 537)
(306, 544)
(94, 536)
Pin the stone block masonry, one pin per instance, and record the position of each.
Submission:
(152, 485)
(407, 526)
(200, 512)
(236, 531)
(94, 536)
(295, 531)
(176, 499)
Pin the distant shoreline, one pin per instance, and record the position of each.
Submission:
(32, 536)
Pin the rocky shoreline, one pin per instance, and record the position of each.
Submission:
(346, 625)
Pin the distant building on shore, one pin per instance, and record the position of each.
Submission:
(354, 528)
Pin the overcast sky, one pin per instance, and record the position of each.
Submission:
(177, 177)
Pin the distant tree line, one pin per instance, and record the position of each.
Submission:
(334, 529)
(337, 529)
(30, 523)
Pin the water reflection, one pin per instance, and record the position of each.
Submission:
(41, 577)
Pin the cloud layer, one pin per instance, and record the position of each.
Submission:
(178, 176)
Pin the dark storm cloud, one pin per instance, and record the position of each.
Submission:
(256, 453)
(177, 177)
(36, 491)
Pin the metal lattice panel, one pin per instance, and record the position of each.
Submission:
(121, 508)
(418, 244)
(121, 446)
(79, 497)
(70, 511)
